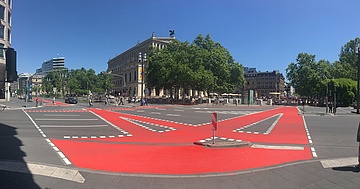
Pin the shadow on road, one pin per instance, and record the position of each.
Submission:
(347, 168)
(10, 152)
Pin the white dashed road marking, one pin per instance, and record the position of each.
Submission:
(313, 152)
(63, 157)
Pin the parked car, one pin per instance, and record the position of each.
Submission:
(71, 100)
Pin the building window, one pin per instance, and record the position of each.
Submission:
(2, 12)
(2, 31)
(134, 75)
(9, 17)
(129, 76)
(1, 50)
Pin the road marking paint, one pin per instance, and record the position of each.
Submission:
(60, 115)
(313, 151)
(61, 155)
(277, 147)
(274, 124)
(45, 119)
(108, 122)
(66, 136)
(154, 113)
(71, 126)
(174, 115)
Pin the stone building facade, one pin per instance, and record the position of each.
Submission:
(127, 68)
(265, 84)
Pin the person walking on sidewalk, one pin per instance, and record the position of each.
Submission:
(37, 101)
(121, 101)
(53, 101)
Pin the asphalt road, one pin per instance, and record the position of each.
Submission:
(332, 137)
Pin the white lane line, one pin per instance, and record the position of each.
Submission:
(60, 115)
(274, 124)
(277, 147)
(45, 119)
(313, 151)
(154, 113)
(173, 115)
(66, 160)
(70, 126)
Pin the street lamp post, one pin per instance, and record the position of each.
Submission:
(142, 60)
(117, 75)
(357, 51)
(327, 95)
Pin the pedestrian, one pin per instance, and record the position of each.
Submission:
(37, 101)
(90, 102)
(330, 107)
(121, 101)
(53, 101)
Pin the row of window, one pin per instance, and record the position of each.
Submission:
(127, 78)
(2, 32)
(2, 14)
(262, 83)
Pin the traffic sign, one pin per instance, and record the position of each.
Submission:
(214, 120)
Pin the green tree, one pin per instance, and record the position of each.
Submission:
(304, 75)
(347, 64)
(202, 65)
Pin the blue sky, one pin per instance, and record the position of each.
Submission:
(265, 34)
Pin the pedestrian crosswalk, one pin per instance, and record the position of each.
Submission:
(67, 110)
(231, 112)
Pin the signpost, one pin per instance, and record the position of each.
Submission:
(214, 123)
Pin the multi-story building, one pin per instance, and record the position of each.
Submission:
(127, 68)
(5, 40)
(265, 84)
(36, 83)
(52, 64)
(23, 84)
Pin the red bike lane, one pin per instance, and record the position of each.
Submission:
(173, 152)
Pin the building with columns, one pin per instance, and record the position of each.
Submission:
(126, 67)
(5, 41)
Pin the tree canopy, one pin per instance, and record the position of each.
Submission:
(76, 82)
(309, 76)
(200, 65)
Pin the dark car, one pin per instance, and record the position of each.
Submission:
(71, 100)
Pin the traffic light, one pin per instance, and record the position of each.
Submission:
(11, 65)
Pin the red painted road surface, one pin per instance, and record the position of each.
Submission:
(173, 152)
